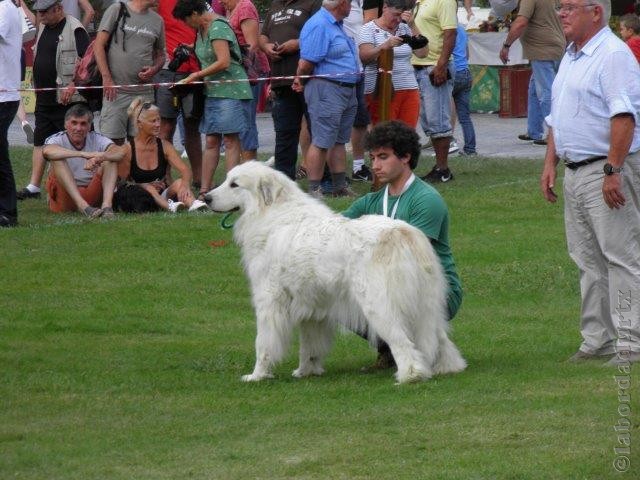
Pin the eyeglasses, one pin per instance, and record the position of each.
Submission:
(568, 8)
(145, 106)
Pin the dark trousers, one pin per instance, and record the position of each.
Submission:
(8, 201)
(287, 111)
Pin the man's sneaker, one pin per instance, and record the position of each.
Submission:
(198, 205)
(362, 175)
(316, 193)
(462, 153)
(525, 137)
(28, 131)
(542, 141)
(345, 192)
(453, 146)
(437, 175)
(184, 155)
(26, 193)
(175, 206)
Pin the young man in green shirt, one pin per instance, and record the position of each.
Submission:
(394, 149)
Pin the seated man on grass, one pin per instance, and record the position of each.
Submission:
(84, 167)
(394, 149)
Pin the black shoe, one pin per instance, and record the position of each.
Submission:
(7, 221)
(362, 175)
(525, 137)
(26, 193)
(437, 175)
(542, 141)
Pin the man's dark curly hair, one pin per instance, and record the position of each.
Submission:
(185, 8)
(398, 136)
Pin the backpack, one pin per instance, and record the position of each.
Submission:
(86, 72)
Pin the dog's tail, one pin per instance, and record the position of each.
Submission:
(449, 359)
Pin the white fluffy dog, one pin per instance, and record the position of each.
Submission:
(313, 268)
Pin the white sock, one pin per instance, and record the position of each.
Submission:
(32, 188)
(357, 164)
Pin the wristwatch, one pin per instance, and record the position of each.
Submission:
(610, 169)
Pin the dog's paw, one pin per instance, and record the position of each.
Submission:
(307, 371)
(253, 377)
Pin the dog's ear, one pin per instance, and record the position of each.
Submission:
(269, 190)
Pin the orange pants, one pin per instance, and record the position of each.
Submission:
(404, 106)
(60, 201)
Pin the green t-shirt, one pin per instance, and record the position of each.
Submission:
(421, 206)
(220, 30)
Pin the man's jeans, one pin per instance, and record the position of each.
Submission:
(8, 201)
(461, 95)
(287, 111)
(539, 101)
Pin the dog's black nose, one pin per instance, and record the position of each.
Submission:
(207, 198)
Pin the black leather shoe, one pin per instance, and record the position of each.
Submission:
(6, 222)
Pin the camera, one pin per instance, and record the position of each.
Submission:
(414, 41)
(180, 55)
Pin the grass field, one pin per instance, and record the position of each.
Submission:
(122, 344)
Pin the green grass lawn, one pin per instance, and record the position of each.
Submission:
(122, 344)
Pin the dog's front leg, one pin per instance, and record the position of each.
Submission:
(271, 345)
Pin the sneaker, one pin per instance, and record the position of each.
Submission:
(107, 212)
(581, 356)
(92, 212)
(453, 146)
(184, 155)
(362, 175)
(462, 153)
(316, 193)
(175, 206)
(345, 192)
(26, 193)
(28, 131)
(525, 137)
(198, 205)
(542, 141)
(437, 175)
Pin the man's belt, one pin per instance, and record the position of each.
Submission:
(575, 165)
(342, 84)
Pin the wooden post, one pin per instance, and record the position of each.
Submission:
(384, 91)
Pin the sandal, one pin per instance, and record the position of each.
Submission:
(301, 173)
(92, 212)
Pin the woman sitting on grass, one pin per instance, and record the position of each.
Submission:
(148, 161)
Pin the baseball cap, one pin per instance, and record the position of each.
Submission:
(42, 5)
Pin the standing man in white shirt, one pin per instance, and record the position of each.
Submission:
(10, 46)
(593, 129)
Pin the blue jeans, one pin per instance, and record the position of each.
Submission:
(539, 101)
(461, 93)
(435, 105)
(249, 137)
(8, 201)
(287, 110)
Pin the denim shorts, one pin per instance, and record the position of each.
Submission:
(332, 110)
(223, 116)
(435, 104)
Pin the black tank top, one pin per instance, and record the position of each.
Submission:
(139, 175)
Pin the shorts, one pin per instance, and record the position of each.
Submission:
(362, 113)
(114, 120)
(49, 120)
(165, 97)
(223, 116)
(61, 201)
(435, 103)
(404, 106)
(332, 110)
